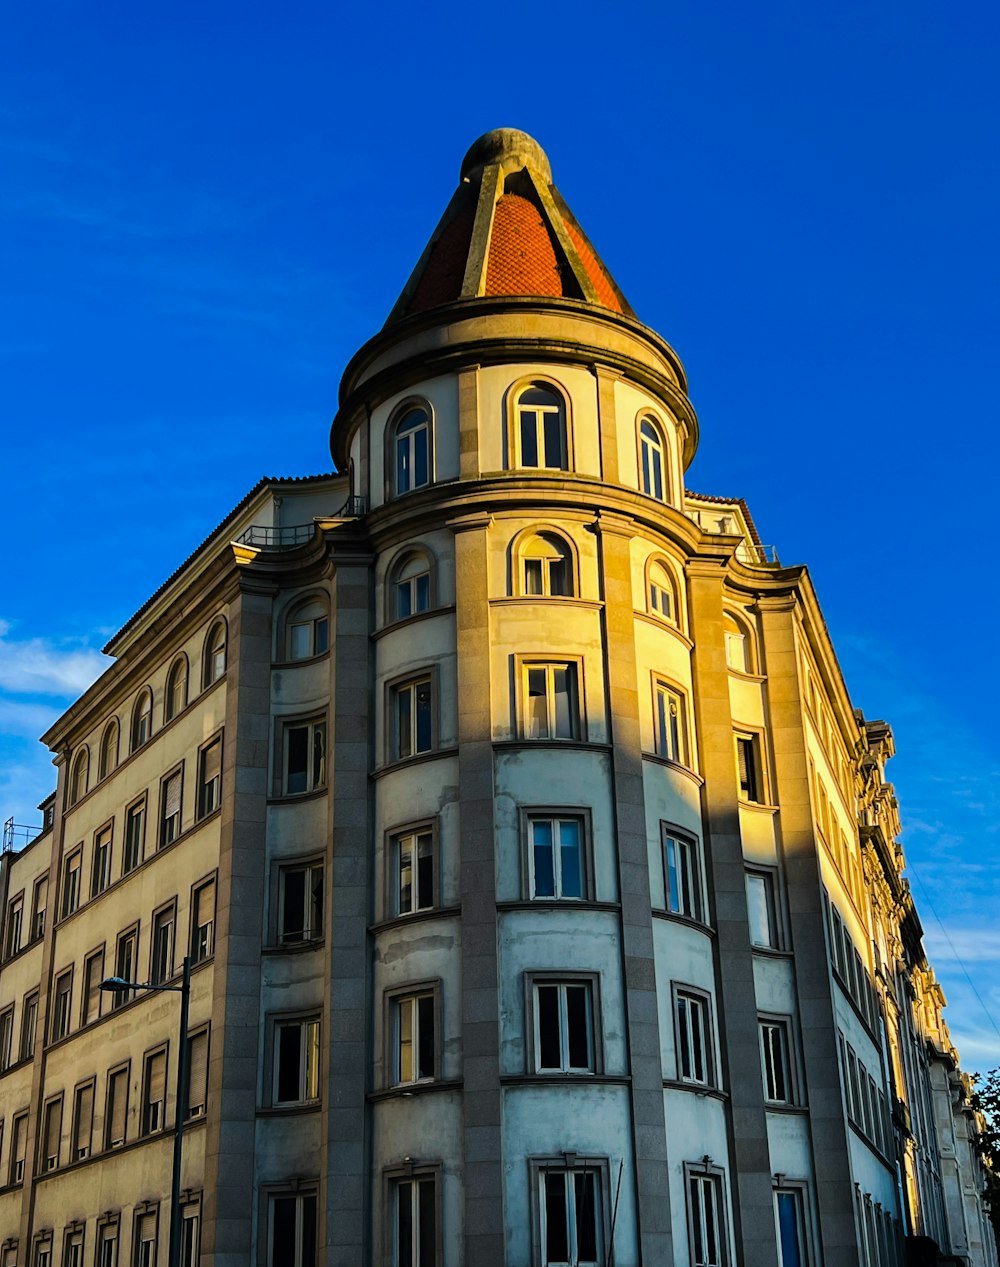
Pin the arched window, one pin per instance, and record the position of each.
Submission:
(411, 450)
(307, 630)
(80, 775)
(175, 697)
(215, 654)
(661, 592)
(739, 653)
(540, 428)
(109, 749)
(142, 719)
(544, 566)
(652, 460)
(409, 590)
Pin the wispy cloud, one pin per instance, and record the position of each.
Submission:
(963, 945)
(37, 666)
(28, 720)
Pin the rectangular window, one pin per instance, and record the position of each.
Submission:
(762, 909)
(154, 1092)
(51, 1135)
(412, 718)
(671, 735)
(415, 1038)
(693, 1036)
(73, 1249)
(413, 595)
(550, 701)
(15, 918)
(300, 903)
(161, 967)
(556, 860)
(775, 1052)
(749, 772)
(190, 1234)
(304, 757)
(415, 872)
(6, 1037)
(83, 1121)
(144, 1249)
(29, 1023)
(72, 868)
(203, 921)
(682, 872)
(38, 904)
(564, 1026)
(197, 1073)
(170, 808)
(93, 975)
(570, 1209)
(43, 1251)
(126, 958)
(116, 1108)
(18, 1147)
(706, 1222)
(210, 778)
(135, 831)
(296, 1062)
(291, 1230)
(414, 1221)
(100, 872)
(107, 1245)
(61, 1004)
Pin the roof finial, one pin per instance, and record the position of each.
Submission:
(508, 147)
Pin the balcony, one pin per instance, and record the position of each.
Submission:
(287, 537)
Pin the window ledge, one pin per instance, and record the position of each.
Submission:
(528, 745)
(447, 609)
(289, 1110)
(674, 765)
(777, 1106)
(567, 904)
(401, 763)
(292, 947)
(567, 600)
(418, 917)
(23, 950)
(695, 1088)
(870, 1144)
(410, 1089)
(689, 921)
(759, 807)
(745, 677)
(772, 952)
(293, 798)
(563, 1079)
(14, 1065)
(125, 1007)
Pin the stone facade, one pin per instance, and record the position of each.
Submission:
(538, 877)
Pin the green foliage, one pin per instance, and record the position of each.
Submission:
(986, 1098)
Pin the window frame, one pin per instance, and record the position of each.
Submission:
(108, 763)
(173, 708)
(312, 723)
(714, 1178)
(190, 1251)
(417, 830)
(557, 814)
(211, 880)
(299, 606)
(104, 837)
(81, 763)
(47, 1161)
(164, 838)
(195, 1110)
(147, 1126)
(210, 671)
(400, 413)
(394, 691)
(746, 635)
(18, 1160)
(799, 1189)
(684, 757)
(122, 1070)
(515, 456)
(148, 1210)
(13, 932)
(772, 891)
(96, 955)
(573, 665)
(7, 1018)
(690, 842)
(282, 867)
(168, 909)
(673, 620)
(202, 807)
(143, 697)
(140, 804)
(299, 1194)
(781, 1024)
(29, 1025)
(119, 997)
(62, 1004)
(40, 887)
(72, 867)
(643, 418)
(410, 992)
(413, 552)
(303, 1021)
(76, 1153)
(107, 1223)
(691, 994)
(757, 783)
(74, 1237)
(564, 546)
(591, 982)
(393, 1179)
(568, 1163)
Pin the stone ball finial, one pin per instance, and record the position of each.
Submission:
(509, 147)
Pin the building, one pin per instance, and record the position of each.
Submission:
(538, 876)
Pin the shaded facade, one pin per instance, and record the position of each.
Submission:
(538, 876)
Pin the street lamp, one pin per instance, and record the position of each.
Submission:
(113, 984)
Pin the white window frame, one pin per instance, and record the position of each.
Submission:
(407, 698)
(683, 883)
(555, 571)
(312, 920)
(768, 880)
(531, 416)
(407, 438)
(556, 821)
(694, 1037)
(417, 843)
(309, 1071)
(549, 669)
(561, 987)
(670, 723)
(311, 616)
(748, 752)
(777, 1064)
(405, 1015)
(653, 460)
(569, 1166)
(661, 601)
(705, 1193)
(408, 1188)
(300, 1200)
(317, 754)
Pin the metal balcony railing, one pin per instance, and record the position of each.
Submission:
(756, 555)
(291, 535)
(17, 835)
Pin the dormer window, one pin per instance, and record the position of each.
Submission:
(540, 428)
(412, 450)
(652, 460)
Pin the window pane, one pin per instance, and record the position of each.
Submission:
(532, 576)
(423, 691)
(553, 441)
(586, 1217)
(404, 1224)
(564, 716)
(537, 720)
(405, 875)
(549, 1054)
(529, 438)
(406, 1040)
(578, 1026)
(289, 1055)
(282, 1228)
(308, 1232)
(319, 754)
(541, 841)
(322, 640)
(428, 1238)
(570, 859)
(298, 758)
(761, 910)
(556, 1231)
(788, 1228)
(422, 592)
(301, 640)
(557, 576)
(404, 700)
(294, 909)
(425, 872)
(420, 458)
(404, 600)
(425, 1036)
(403, 464)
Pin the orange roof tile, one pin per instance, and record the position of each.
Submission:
(595, 271)
(441, 281)
(522, 259)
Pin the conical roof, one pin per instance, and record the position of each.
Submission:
(507, 231)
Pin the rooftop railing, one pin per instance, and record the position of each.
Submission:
(17, 835)
(747, 552)
(288, 536)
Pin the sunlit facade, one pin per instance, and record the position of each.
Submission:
(537, 876)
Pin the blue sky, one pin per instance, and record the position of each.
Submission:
(204, 210)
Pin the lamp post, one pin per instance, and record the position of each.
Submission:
(113, 984)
